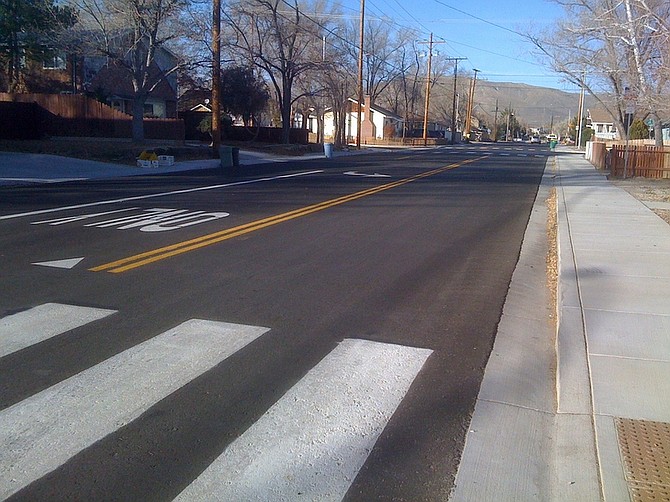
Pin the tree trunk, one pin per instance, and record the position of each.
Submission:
(286, 108)
(658, 130)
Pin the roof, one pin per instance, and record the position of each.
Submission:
(600, 116)
(116, 81)
(379, 109)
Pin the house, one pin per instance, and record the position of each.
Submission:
(602, 124)
(380, 124)
(55, 73)
(114, 84)
(63, 73)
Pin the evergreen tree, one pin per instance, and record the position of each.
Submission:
(242, 94)
(28, 31)
(639, 130)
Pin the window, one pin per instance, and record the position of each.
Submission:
(56, 62)
(148, 109)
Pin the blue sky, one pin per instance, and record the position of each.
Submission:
(480, 31)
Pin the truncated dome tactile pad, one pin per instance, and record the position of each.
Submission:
(645, 450)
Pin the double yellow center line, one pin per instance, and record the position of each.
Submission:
(139, 260)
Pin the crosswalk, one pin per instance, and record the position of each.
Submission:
(312, 441)
(499, 151)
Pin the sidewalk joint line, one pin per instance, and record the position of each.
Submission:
(518, 406)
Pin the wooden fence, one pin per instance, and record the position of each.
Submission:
(401, 141)
(76, 116)
(644, 161)
(637, 159)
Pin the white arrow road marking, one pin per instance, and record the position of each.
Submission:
(40, 323)
(43, 431)
(375, 175)
(311, 444)
(67, 263)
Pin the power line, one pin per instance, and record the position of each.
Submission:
(479, 18)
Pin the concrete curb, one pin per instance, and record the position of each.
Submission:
(510, 442)
(576, 460)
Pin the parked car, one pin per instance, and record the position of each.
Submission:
(535, 139)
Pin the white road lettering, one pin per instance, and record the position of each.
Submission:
(71, 219)
(147, 217)
(153, 195)
(147, 220)
(176, 223)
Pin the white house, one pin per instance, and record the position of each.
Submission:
(602, 125)
(384, 123)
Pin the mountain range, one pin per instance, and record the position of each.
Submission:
(533, 106)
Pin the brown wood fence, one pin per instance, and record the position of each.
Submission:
(69, 106)
(81, 116)
(645, 161)
(405, 141)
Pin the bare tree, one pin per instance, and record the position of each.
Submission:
(404, 91)
(129, 33)
(617, 50)
(341, 84)
(277, 37)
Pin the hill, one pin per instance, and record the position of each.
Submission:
(533, 106)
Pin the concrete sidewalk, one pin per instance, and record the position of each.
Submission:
(32, 168)
(583, 412)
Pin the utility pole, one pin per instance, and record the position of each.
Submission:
(453, 105)
(360, 76)
(425, 110)
(471, 99)
(578, 141)
(216, 77)
(495, 124)
(428, 86)
(509, 118)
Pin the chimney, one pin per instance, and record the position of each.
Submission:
(368, 129)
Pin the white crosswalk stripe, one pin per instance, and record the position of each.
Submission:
(40, 323)
(43, 431)
(310, 444)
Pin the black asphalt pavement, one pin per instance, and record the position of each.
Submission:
(406, 248)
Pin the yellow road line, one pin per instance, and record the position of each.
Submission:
(162, 253)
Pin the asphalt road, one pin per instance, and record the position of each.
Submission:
(308, 263)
